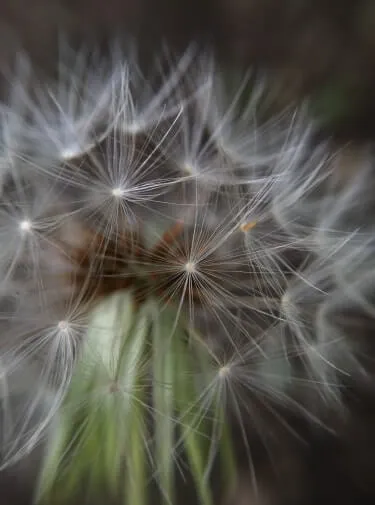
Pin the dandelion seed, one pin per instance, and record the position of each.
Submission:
(63, 326)
(25, 225)
(147, 100)
(118, 192)
(190, 169)
(224, 371)
(69, 153)
(301, 186)
(190, 267)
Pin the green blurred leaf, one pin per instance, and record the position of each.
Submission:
(164, 375)
(102, 429)
(195, 424)
(136, 457)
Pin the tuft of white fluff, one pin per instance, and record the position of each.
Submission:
(106, 148)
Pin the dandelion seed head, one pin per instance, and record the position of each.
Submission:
(158, 188)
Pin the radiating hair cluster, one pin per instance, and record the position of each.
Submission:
(170, 185)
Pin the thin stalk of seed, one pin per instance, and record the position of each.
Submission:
(227, 456)
(53, 459)
(136, 468)
(193, 425)
(164, 374)
(220, 438)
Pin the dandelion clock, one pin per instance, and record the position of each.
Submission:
(162, 276)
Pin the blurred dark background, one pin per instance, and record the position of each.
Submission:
(313, 46)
